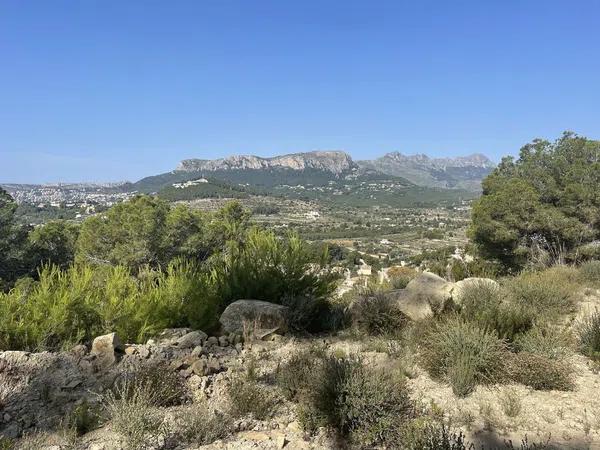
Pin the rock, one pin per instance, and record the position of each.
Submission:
(223, 341)
(212, 341)
(170, 335)
(106, 349)
(213, 366)
(197, 351)
(424, 295)
(191, 340)
(256, 314)
(460, 286)
(79, 351)
(199, 367)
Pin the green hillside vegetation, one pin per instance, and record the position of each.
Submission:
(544, 207)
(211, 189)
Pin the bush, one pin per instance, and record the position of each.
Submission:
(549, 293)
(462, 353)
(589, 336)
(73, 306)
(539, 372)
(247, 397)
(485, 304)
(365, 405)
(295, 376)
(377, 315)
(131, 409)
(400, 276)
(548, 341)
(168, 387)
(269, 268)
(432, 435)
(590, 271)
(200, 425)
(510, 402)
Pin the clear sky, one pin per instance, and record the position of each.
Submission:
(104, 90)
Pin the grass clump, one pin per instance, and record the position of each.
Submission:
(198, 424)
(487, 305)
(462, 353)
(377, 315)
(365, 405)
(589, 336)
(590, 272)
(549, 341)
(168, 387)
(433, 435)
(82, 419)
(294, 377)
(539, 372)
(247, 397)
(510, 402)
(550, 293)
(131, 408)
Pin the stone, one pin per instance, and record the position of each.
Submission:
(223, 341)
(199, 367)
(212, 341)
(197, 351)
(213, 366)
(106, 348)
(424, 295)
(170, 335)
(190, 340)
(460, 286)
(254, 314)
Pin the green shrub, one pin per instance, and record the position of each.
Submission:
(72, 306)
(247, 397)
(295, 376)
(589, 336)
(268, 268)
(365, 405)
(377, 315)
(549, 341)
(590, 271)
(540, 372)
(462, 353)
(549, 293)
(486, 304)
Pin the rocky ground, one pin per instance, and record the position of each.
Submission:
(38, 390)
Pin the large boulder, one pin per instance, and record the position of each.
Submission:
(255, 314)
(413, 307)
(461, 286)
(432, 288)
(424, 295)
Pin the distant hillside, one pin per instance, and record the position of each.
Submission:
(462, 172)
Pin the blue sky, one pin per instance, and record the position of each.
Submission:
(112, 90)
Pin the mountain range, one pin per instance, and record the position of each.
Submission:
(321, 167)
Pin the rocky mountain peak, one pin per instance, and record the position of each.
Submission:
(335, 162)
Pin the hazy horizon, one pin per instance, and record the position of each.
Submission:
(117, 91)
